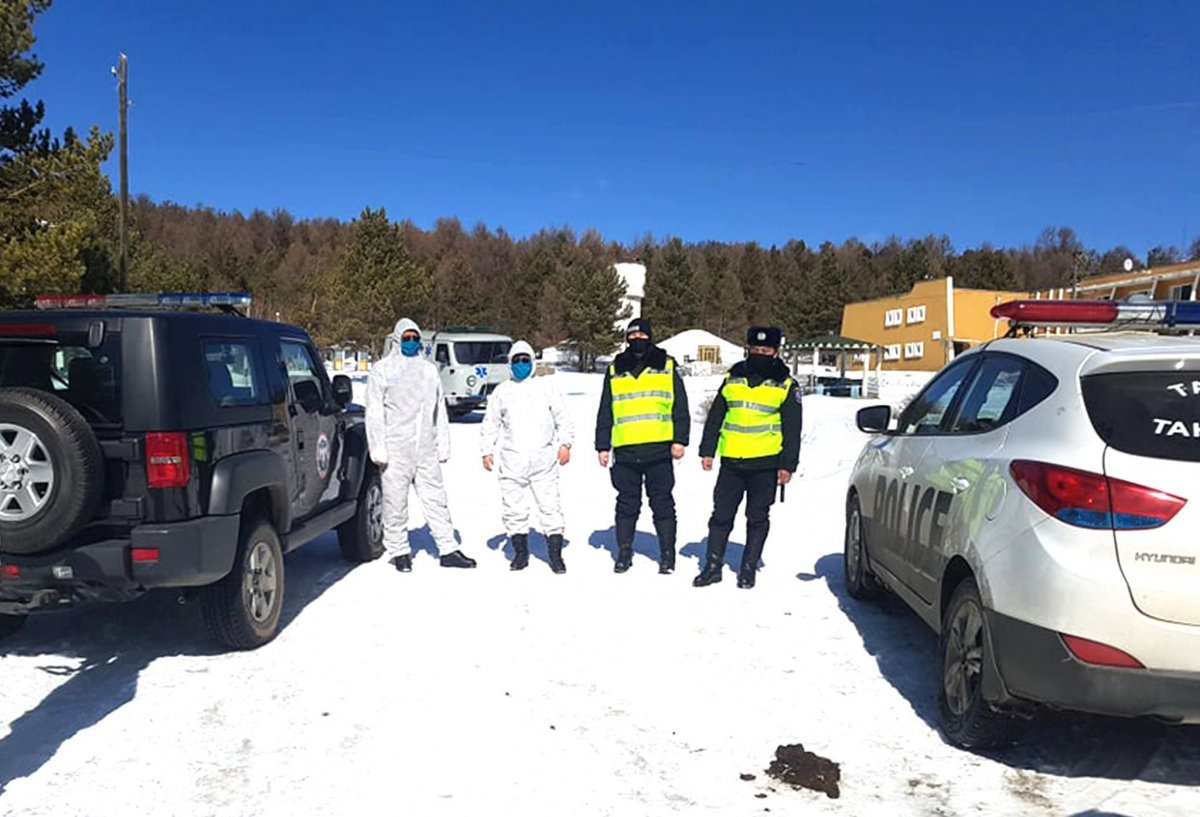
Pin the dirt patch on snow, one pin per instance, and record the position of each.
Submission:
(800, 769)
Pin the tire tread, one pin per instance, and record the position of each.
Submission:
(982, 727)
(221, 602)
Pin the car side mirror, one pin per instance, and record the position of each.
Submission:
(308, 395)
(874, 419)
(343, 390)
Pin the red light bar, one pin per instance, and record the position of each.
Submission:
(69, 301)
(25, 329)
(10, 571)
(1057, 311)
(143, 554)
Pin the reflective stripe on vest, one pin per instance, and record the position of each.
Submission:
(642, 406)
(753, 425)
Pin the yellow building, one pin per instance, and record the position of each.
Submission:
(1177, 282)
(925, 329)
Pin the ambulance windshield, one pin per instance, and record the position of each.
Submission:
(475, 352)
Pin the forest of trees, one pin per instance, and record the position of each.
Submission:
(348, 282)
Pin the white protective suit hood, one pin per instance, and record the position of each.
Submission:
(404, 325)
(520, 348)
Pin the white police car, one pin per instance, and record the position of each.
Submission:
(1034, 505)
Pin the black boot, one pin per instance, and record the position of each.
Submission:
(457, 559)
(755, 540)
(714, 559)
(403, 563)
(666, 546)
(624, 558)
(554, 545)
(520, 543)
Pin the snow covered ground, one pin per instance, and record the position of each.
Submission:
(491, 692)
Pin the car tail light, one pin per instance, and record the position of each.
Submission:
(1093, 652)
(143, 554)
(10, 571)
(1090, 500)
(167, 464)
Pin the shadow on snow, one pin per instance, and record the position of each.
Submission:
(115, 642)
(537, 547)
(1064, 744)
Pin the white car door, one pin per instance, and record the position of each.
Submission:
(899, 484)
(965, 477)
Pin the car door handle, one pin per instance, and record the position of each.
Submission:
(906, 472)
(960, 484)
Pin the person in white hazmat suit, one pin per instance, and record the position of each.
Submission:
(526, 436)
(408, 438)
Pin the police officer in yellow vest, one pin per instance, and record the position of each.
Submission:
(754, 424)
(644, 422)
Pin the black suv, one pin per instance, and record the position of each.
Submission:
(150, 448)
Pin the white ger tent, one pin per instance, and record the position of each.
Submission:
(696, 345)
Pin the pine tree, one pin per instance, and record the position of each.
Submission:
(57, 217)
(591, 293)
(984, 268)
(672, 298)
(375, 284)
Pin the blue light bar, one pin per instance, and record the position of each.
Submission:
(1186, 312)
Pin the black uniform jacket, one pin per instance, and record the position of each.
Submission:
(625, 362)
(792, 417)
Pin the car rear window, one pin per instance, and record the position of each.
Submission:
(234, 375)
(89, 379)
(1151, 414)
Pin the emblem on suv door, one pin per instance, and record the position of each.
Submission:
(323, 456)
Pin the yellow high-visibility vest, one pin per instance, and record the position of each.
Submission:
(642, 405)
(753, 424)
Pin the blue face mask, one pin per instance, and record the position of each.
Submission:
(410, 348)
(521, 369)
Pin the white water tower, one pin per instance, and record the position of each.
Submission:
(634, 276)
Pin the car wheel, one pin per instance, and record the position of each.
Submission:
(51, 471)
(10, 624)
(966, 719)
(361, 538)
(860, 583)
(242, 610)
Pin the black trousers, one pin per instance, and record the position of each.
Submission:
(627, 478)
(758, 486)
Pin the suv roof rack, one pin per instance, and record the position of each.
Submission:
(469, 330)
(229, 302)
(1161, 316)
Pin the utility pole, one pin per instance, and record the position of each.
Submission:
(1076, 263)
(123, 140)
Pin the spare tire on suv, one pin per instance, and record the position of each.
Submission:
(51, 471)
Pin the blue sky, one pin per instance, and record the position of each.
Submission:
(707, 120)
